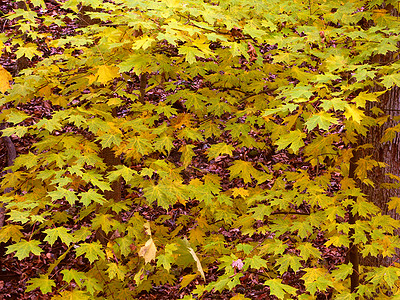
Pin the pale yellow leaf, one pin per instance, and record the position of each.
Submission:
(148, 251)
(196, 259)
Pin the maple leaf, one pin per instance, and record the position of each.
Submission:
(242, 169)
(164, 142)
(338, 241)
(105, 221)
(278, 289)
(323, 120)
(43, 283)
(11, 231)
(165, 260)
(148, 251)
(19, 131)
(24, 248)
(293, 138)
(29, 50)
(5, 79)
(390, 80)
(308, 250)
(72, 295)
(60, 193)
(115, 270)
(121, 171)
(143, 42)
(187, 154)
(78, 277)
(190, 53)
(108, 140)
(288, 261)
(91, 195)
(343, 271)
(316, 278)
(92, 251)
(354, 113)
(59, 232)
(219, 149)
(256, 262)
(106, 73)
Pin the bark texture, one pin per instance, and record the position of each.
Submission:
(388, 153)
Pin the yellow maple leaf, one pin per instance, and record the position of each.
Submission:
(353, 112)
(106, 73)
(5, 78)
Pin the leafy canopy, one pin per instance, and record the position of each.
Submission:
(263, 102)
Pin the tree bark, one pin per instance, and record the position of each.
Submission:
(389, 154)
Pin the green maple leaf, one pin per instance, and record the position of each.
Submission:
(190, 53)
(323, 120)
(24, 248)
(77, 120)
(115, 270)
(219, 149)
(19, 131)
(59, 232)
(60, 193)
(187, 154)
(29, 50)
(342, 271)
(19, 216)
(164, 142)
(256, 262)
(288, 261)
(338, 241)
(308, 250)
(43, 283)
(390, 80)
(238, 129)
(210, 129)
(92, 251)
(124, 244)
(316, 278)
(293, 138)
(78, 277)
(154, 193)
(167, 110)
(278, 289)
(372, 249)
(92, 285)
(105, 221)
(261, 211)
(242, 169)
(194, 101)
(121, 171)
(140, 145)
(165, 260)
(391, 276)
(91, 195)
(108, 140)
(16, 116)
(304, 228)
